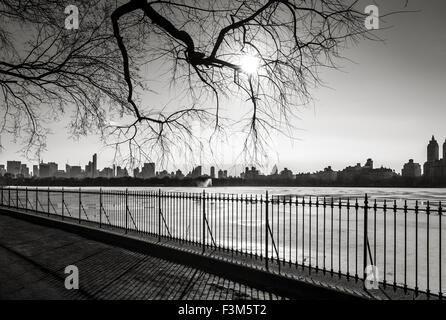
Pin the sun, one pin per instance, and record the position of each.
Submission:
(249, 64)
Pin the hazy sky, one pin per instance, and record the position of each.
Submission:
(386, 105)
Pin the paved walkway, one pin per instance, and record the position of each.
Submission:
(33, 259)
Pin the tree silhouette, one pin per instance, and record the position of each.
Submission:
(264, 52)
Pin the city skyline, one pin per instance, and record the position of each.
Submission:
(434, 166)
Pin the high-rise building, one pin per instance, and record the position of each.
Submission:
(432, 150)
(136, 173)
(75, 172)
(48, 169)
(121, 172)
(94, 169)
(369, 164)
(24, 170)
(53, 168)
(196, 172)
(435, 168)
(148, 170)
(35, 170)
(212, 172)
(44, 170)
(13, 167)
(444, 150)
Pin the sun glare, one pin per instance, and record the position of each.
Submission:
(249, 64)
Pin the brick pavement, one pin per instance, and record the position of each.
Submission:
(33, 259)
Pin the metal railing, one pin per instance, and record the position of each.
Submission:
(402, 240)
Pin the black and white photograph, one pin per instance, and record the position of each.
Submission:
(224, 158)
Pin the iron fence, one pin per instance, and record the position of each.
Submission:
(399, 243)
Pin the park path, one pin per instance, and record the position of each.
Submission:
(33, 259)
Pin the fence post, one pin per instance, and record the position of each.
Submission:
(126, 209)
(63, 202)
(37, 199)
(26, 198)
(204, 221)
(9, 196)
(100, 207)
(159, 215)
(366, 203)
(80, 205)
(48, 204)
(1, 188)
(17, 197)
(266, 229)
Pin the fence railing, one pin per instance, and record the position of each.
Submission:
(398, 243)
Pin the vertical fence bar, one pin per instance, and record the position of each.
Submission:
(394, 246)
(416, 247)
(26, 198)
(204, 222)
(405, 245)
(331, 235)
(80, 205)
(348, 238)
(1, 189)
(17, 197)
(126, 210)
(440, 294)
(385, 243)
(9, 196)
(159, 215)
(340, 236)
(266, 228)
(37, 198)
(366, 202)
(63, 203)
(427, 249)
(48, 201)
(100, 207)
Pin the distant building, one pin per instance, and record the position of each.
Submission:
(13, 167)
(35, 171)
(2, 170)
(44, 170)
(250, 174)
(366, 173)
(75, 172)
(120, 173)
(411, 169)
(148, 170)
(24, 170)
(212, 172)
(435, 168)
(327, 175)
(136, 173)
(369, 164)
(179, 174)
(106, 173)
(163, 174)
(286, 174)
(196, 172)
(53, 168)
(94, 169)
